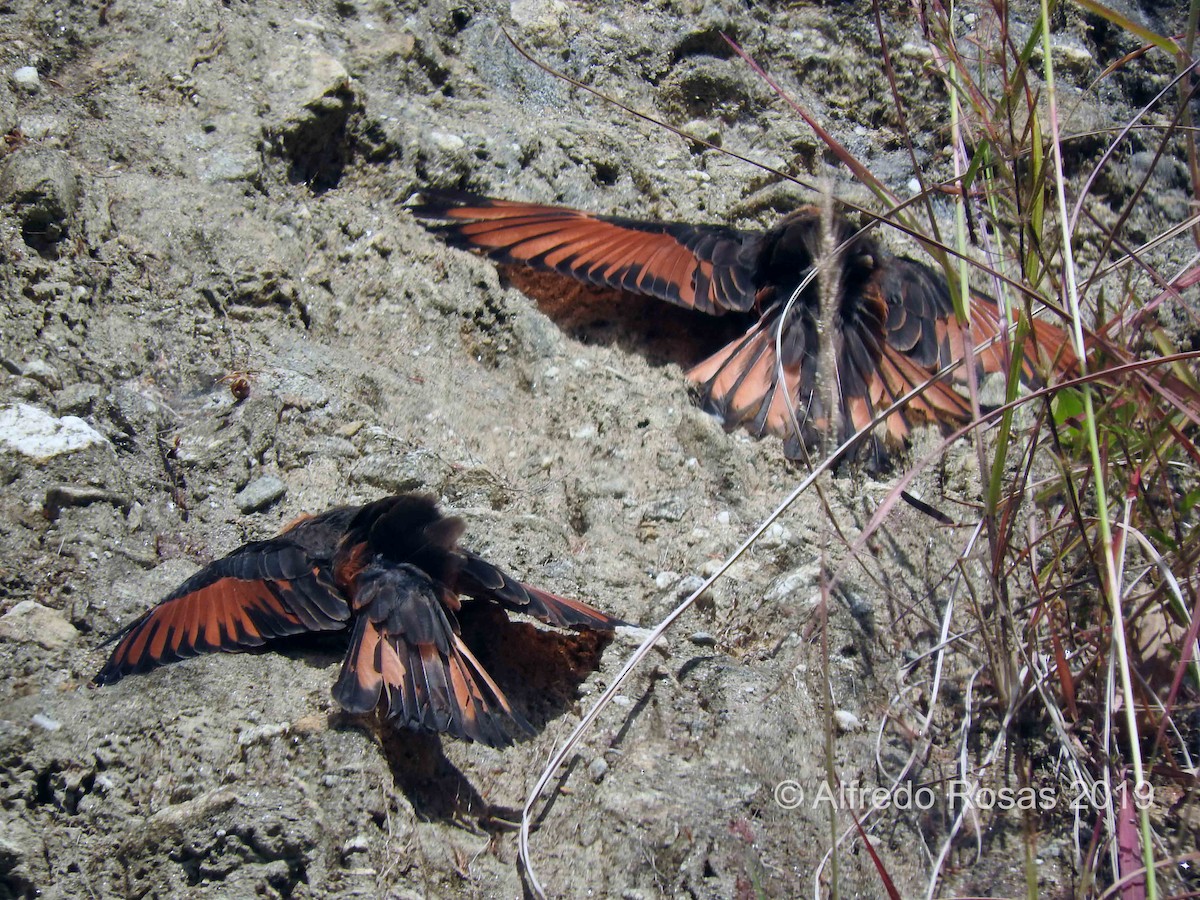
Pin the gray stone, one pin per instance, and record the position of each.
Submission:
(31, 623)
(42, 372)
(396, 473)
(847, 722)
(315, 100)
(260, 493)
(77, 399)
(669, 509)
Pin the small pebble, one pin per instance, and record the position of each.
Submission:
(847, 721)
(793, 584)
(260, 493)
(28, 622)
(669, 509)
(450, 143)
(263, 733)
(41, 371)
(26, 78)
(775, 537)
(664, 580)
(598, 769)
(703, 639)
(45, 722)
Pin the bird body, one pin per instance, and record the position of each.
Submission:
(894, 327)
(393, 574)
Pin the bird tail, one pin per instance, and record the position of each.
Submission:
(405, 655)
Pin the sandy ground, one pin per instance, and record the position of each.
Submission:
(218, 193)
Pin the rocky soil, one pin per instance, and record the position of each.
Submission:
(206, 201)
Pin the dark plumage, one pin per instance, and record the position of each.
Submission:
(894, 323)
(390, 571)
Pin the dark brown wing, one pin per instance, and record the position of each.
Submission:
(894, 340)
(263, 590)
(480, 579)
(409, 529)
(705, 267)
(405, 654)
(921, 337)
(920, 325)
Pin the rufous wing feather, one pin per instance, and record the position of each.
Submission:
(709, 268)
(263, 590)
(746, 384)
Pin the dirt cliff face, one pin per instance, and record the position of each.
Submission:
(215, 315)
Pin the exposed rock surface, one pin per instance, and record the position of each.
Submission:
(210, 289)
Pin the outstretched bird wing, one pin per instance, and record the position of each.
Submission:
(262, 590)
(484, 581)
(709, 268)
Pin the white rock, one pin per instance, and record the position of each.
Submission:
(26, 78)
(444, 140)
(847, 721)
(537, 14)
(775, 536)
(798, 581)
(263, 733)
(43, 721)
(34, 433)
(665, 579)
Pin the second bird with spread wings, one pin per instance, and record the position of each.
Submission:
(894, 323)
